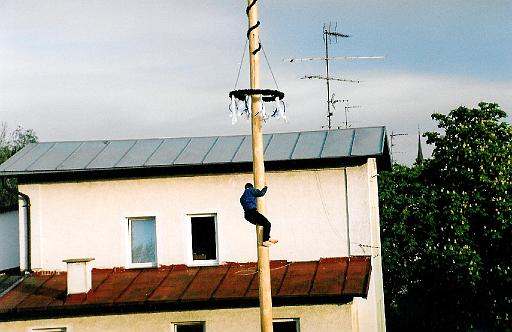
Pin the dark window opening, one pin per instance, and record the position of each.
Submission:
(286, 326)
(189, 327)
(204, 243)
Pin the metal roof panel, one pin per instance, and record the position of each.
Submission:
(54, 288)
(112, 289)
(29, 158)
(338, 143)
(368, 141)
(298, 279)
(143, 286)
(224, 149)
(237, 281)
(124, 154)
(54, 157)
(195, 151)
(139, 153)
(111, 154)
(17, 156)
(309, 145)
(330, 276)
(281, 146)
(244, 153)
(175, 284)
(205, 283)
(83, 155)
(167, 152)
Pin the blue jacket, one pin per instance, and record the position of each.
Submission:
(248, 199)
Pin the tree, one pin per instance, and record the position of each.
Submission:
(447, 227)
(408, 226)
(471, 168)
(10, 143)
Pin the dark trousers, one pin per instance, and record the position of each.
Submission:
(256, 218)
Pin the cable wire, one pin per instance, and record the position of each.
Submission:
(241, 63)
(270, 68)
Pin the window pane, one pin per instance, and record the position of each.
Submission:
(204, 246)
(143, 241)
(190, 327)
(285, 326)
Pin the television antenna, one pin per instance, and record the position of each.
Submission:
(391, 138)
(347, 108)
(330, 35)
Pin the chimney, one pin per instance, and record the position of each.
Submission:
(79, 279)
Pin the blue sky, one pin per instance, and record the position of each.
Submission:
(76, 70)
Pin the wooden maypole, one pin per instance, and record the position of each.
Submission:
(265, 291)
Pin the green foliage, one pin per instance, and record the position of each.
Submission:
(447, 225)
(10, 143)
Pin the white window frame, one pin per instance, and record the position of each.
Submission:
(296, 320)
(190, 254)
(174, 326)
(130, 263)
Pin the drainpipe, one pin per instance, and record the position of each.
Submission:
(347, 210)
(26, 205)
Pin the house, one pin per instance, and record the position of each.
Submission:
(149, 234)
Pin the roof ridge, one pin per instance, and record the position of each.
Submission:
(206, 136)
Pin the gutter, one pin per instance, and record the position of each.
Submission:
(26, 205)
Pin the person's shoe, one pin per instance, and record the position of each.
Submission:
(273, 241)
(267, 243)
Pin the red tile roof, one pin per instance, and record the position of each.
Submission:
(178, 287)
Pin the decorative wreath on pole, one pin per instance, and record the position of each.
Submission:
(241, 99)
(241, 104)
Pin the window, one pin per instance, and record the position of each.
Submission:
(286, 325)
(203, 229)
(142, 236)
(50, 329)
(189, 327)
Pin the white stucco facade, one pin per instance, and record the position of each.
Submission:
(331, 318)
(9, 242)
(315, 213)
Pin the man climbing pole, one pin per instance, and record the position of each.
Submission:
(251, 214)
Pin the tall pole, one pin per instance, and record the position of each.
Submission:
(327, 78)
(265, 291)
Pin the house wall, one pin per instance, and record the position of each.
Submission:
(330, 317)
(311, 213)
(369, 313)
(9, 243)
(307, 208)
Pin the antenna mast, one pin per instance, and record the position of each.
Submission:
(329, 33)
(391, 137)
